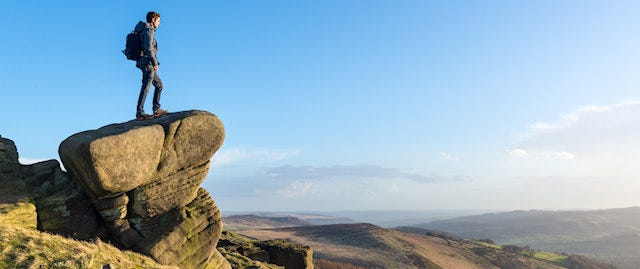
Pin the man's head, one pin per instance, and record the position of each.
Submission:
(153, 18)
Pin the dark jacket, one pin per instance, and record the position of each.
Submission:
(149, 45)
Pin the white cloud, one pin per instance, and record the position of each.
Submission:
(440, 178)
(295, 188)
(564, 155)
(588, 127)
(593, 140)
(449, 157)
(226, 157)
(326, 173)
(521, 153)
(580, 116)
(517, 153)
(314, 185)
(541, 126)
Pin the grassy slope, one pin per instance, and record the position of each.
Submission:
(28, 248)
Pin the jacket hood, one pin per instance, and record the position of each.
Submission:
(141, 26)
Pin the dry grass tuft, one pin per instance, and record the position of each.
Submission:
(18, 214)
(27, 248)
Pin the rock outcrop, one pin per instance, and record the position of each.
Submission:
(9, 165)
(59, 205)
(243, 252)
(12, 188)
(135, 184)
(143, 178)
(287, 254)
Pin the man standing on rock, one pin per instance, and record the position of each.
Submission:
(148, 63)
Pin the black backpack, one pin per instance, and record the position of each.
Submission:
(133, 48)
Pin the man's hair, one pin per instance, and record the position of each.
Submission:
(151, 15)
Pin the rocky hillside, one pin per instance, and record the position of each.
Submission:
(370, 246)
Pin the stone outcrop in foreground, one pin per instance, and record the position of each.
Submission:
(135, 184)
(41, 195)
(243, 252)
(143, 179)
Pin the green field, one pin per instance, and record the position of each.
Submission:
(554, 258)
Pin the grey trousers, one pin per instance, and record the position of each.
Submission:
(149, 76)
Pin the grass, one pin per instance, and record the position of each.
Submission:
(554, 258)
(487, 244)
(19, 215)
(29, 248)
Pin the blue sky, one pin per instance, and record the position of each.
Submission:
(332, 105)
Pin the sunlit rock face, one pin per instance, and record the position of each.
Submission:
(143, 180)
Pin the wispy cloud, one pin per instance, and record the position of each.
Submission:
(517, 153)
(294, 188)
(449, 157)
(350, 171)
(327, 182)
(564, 155)
(443, 178)
(541, 127)
(582, 116)
(521, 153)
(591, 140)
(226, 157)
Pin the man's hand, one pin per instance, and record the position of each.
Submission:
(155, 68)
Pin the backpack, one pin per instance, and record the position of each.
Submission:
(133, 47)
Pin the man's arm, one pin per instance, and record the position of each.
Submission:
(147, 46)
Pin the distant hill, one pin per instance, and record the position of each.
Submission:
(611, 235)
(369, 246)
(244, 222)
(384, 218)
(266, 220)
(394, 218)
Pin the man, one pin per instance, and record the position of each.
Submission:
(148, 63)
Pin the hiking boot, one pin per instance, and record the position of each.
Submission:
(143, 116)
(159, 112)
